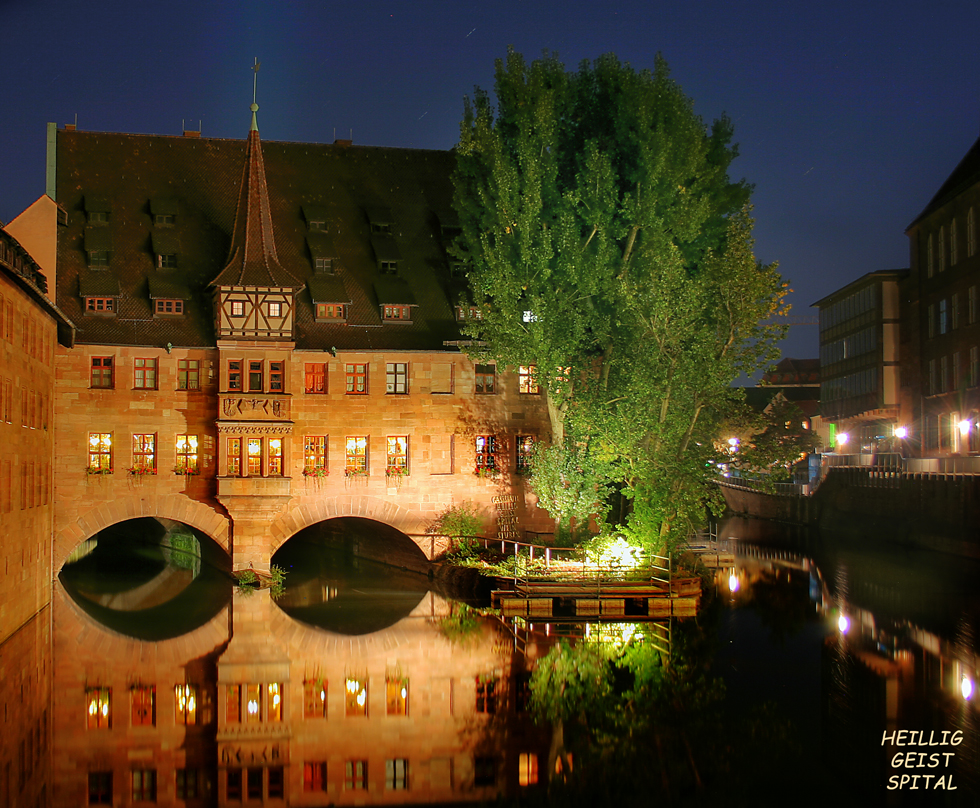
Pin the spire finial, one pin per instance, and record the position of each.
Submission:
(255, 107)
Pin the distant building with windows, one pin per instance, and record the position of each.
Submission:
(942, 322)
(268, 338)
(859, 360)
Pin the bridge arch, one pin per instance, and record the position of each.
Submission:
(411, 523)
(179, 508)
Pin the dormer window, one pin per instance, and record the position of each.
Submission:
(164, 219)
(331, 311)
(389, 267)
(468, 313)
(168, 307)
(100, 305)
(457, 269)
(98, 258)
(166, 260)
(98, 217)
(398, 313)
(381, 219)
(378, 227)
(318, 225)
(323, 265)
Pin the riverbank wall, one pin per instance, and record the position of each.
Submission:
(938, 512)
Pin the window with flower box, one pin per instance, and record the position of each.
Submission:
(144, 453)
(100, 452)
(315, 455)
(356, 379)
(98, 702)
(526, 383)
(101, 377)
(188, 374)
(396, 460)
(356, 455)
(145, 374)
(144, 713)
(486, 454)
(316, 377)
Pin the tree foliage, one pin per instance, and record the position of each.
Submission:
(608, 248)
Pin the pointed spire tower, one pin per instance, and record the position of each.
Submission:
(254, 294)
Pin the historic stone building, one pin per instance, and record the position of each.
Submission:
(268, 338)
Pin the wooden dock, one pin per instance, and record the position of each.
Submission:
(603, 598)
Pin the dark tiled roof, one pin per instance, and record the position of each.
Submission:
(98, 283)
(965, 174)
(167, 286)
(204, 178)
(328, 289)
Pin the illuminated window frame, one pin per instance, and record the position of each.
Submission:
(396, 695)
(253, 448)
(356, 455)
(233, 704)
(331, 311)
(486, 452)
(315, 378)
(275, 309)
(100, 305)
(234, 467)
(486, 380)
(357, 379)
(525, 451)
(145, 453)
(315, 698)
(185, 704)
(396, 378)
(102, 375)
(188, 374)
(234, 375)
(526, 383)
(144, 373)
(100, 452)
(396, 313)
(237, 308)
(315, 455)
(274, 462)
(396, 454)
(98, 703)
(527, 769)
(356, 697)
(170, 308)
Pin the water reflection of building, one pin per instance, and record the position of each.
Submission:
(257, 706)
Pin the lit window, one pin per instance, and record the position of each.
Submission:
(168, 306)
(331, 311)
(943, 322)
(356, 775)
(397, 312)
(144, 453)
(486, 695)
(186, 701)
(468, 313)
(100, 788)
(102, 372)
(237, 308)
(273, 710)
(166, 260)
(355, 697)
(315, 455)
(275, 376)
(396, 774)
(187, 784)
(485, 379)
(255, 381)
(186, 453)
(526, 380)
(275, 309)
(525, 451)
(100, 452)
(255, 456)
(486, 452)
(396, 695)
(356, 379)
(188, 374)
(234, 457)
(100, 305)
(396, 380)
(315, 776)
(144, 705)
(316, 377)
(275, 457)
(356, 455)
(144, 785)
(253, 709)
(145, 374)
(99, 707)
(396, 462)
(234, 375)
(528, 769)
(314, 698)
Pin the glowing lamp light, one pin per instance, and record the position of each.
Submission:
(361, 698)
(965, 427)
(323, 695)
(901, 432)
(843, 623)
(966, 688)
(253, 707)
(733, 442)
(842, 439)
(404, 693)
(733, 582)
(105, 709)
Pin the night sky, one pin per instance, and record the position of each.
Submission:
(848, 115)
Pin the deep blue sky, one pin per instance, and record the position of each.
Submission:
(848, 115)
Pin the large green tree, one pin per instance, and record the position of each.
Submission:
(608, 248)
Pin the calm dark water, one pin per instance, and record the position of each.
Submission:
(864, 652)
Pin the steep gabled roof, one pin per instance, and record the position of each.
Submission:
(252, 259)
(965, 174)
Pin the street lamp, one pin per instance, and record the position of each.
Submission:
(901, 432)
(842, 439)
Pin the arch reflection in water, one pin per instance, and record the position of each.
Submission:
(149, 578)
